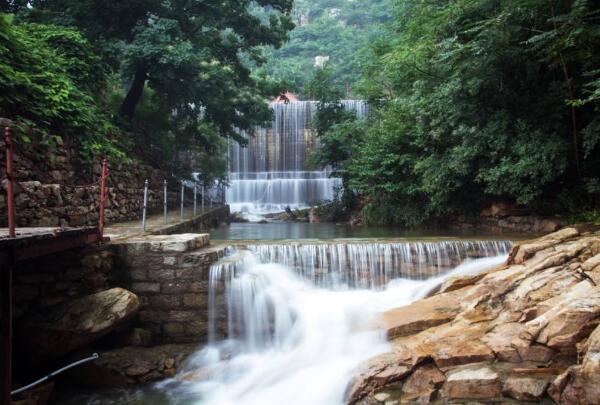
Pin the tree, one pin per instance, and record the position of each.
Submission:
(189, 52)
(486, 99)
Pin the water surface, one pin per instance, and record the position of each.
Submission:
(278, 231)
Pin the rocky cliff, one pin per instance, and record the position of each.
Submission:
(526, 331)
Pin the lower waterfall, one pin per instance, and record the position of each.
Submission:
(279, 335)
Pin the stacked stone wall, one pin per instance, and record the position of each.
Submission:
(43, 283)
(47, 168)
(170, 275)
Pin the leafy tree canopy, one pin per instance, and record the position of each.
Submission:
(479, 101)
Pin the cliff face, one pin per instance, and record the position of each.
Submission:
(526, 331)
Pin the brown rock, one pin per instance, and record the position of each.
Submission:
(420, 315)
(131, 365)
(458, 282)
(423, 384)
(74, 324)
(477, 381)
(582, 383)
(524, 388)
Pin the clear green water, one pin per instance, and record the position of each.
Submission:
(326, 231)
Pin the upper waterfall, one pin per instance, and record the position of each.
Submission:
(270, 173)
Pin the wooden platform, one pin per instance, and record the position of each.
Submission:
(30, 243)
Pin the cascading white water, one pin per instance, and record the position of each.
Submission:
(270, 174)
(372, 265)
(289, 340)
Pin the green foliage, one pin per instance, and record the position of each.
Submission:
(176, 73)
(49, 77)
(339, 29)
(481, 100)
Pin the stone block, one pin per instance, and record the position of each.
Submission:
(175, 287)
(173, 328)
(138, 274)
(140, 287)
(199, 286)
(184, 274)
(165, 301)
(196, 328)
(183, 316)
(161, 274)
(170, 260)
(195, 301)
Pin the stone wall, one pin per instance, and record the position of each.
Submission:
(211, 219)
(46, 168)
(170, 275)
(40, 284)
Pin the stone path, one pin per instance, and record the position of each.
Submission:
(154, 223)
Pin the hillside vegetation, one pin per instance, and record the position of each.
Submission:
(476, 101)
(338, 30)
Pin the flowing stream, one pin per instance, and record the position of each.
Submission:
(292, 322)
(282, 333)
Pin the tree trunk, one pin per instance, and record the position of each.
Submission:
(135, 93)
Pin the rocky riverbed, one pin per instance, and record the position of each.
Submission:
(526, 331)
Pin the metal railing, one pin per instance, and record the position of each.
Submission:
(208, 196)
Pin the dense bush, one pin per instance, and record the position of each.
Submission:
(50, 79)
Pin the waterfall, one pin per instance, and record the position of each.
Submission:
(270, 174)
(369, 265)
(336, 266)
(289, 339)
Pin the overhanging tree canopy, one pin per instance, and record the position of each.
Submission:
(193, 54)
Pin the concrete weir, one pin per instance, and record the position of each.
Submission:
(170, 275)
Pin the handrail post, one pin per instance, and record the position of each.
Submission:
(195, 199)
(203, 192)
(10, 190)
(182, 197)
(165, 202)
(210, 198)
(103, 178)
(145, 205)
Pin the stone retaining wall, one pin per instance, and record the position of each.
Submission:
(43, 283)
(170, 275)
(204, 222)
(46, 167)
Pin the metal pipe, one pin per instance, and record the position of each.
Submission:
(10, 190)
(103, 177)
(195, 199)
(165, 202)
(182, 197)
(145, 205)
(55, 373)
(203, 192)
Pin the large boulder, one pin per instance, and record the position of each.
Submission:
(75, 324)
